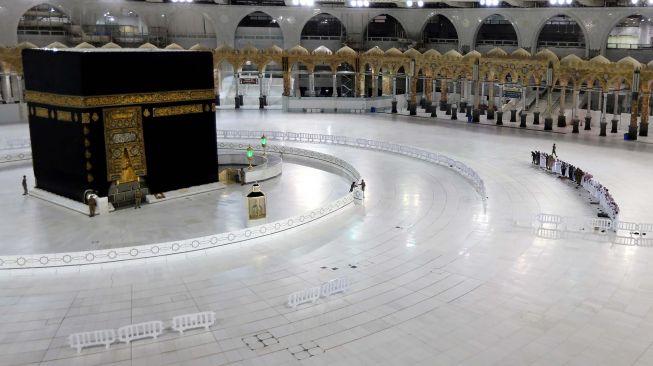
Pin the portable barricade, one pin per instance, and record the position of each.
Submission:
(545, 219)
(645, 228)
(304, 296)
(191, 321)
(90, 339)
(138, 331)
(630, 227)
(600, 224)
(334, 286)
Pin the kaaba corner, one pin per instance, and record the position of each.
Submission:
(110, 120)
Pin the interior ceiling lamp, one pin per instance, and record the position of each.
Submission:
(410, 3)
(359, 3)
(560, 2)
(489, 2)
(649, 2)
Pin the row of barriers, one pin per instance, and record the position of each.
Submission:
(133, 332)
(619, 232)
(312, 294)
(15, 156)
(405, 150)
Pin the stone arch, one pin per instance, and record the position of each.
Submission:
(446, 22)
(264, 17)
(613, 24)
(326, 33)
(504, 17)
(188, 27)
(373, 31)
(33, 27)
(541, 27)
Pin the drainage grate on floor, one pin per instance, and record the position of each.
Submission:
(305, 350)
(260, 340)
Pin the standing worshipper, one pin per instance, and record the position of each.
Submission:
(353, 185)
(363, 187)
(92, 204)
(554, 151)
(138, 196)
(24, 185)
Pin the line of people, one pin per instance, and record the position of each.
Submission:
(596, 190)
(354, 185)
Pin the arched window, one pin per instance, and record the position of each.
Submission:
(259, 30)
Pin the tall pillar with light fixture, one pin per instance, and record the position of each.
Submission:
(500, 109)
(411, 80)
(334, 85)
(375, 83)
(394, 94)
(490, 104)
(476, 113)
(548, 118)
(524, 114)
(311, 82)
(443, 94)
(237, 97)
(588, 113)
(6, 88)
(615, 111)
(456, 100)
(434, 106)
(643, 123)
(603, 123)
(562, 119)
(632, 128)
(261, 97)
(536, 112)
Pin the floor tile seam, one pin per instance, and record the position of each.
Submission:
(58, 329)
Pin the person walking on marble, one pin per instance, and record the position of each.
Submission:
(363, 186)
(554, 151)
(138, 196)
(92, 203)
(24, 185)
(353, 185)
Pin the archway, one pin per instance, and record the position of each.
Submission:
(187, 28)
(386, 32)
(631, 36)
(44, 24)
(439, 33)
(496, 31)
(258, 29)
(562, 35)
(122, 26)
(323, 30)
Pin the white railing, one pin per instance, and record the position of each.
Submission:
(15, 156)
(334, 286)
(410, 151)
(593, 228)
(191, 321)
(138, 331)
(90, 339)
(312, 294)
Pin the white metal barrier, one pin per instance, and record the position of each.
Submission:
(600, 224)
(191, 321)
(334, 286)
(544, 219)
(90, 339)
(134, 332)
(311, 294)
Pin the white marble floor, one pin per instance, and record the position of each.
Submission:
(436, 278)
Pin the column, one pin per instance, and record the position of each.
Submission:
(643, 124)
(500, 108)
(574, 110)
(261, 97)
(476, 112)
(434, 106)
(237, 97)
(482, 96)
(413, 96)
(19, 88)
(454, 105)
(334, 85)
(428, 96)
(217, 81)
(360, 84)
(394, 94)
(588, 114)
(6, 89)
(603, 123)
(286, 83)
(490, 106)
(524, 113)
(311, 83)
(375, 84)
(536, 112)
(562, 119)
(443, 95)
(386, 84)
(548, 118)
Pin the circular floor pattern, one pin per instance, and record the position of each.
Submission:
(435, 278)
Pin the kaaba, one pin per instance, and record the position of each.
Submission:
(104, 119)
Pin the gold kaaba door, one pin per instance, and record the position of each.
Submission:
(123, 140)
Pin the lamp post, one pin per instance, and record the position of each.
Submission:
(264, 143)
(250, 156)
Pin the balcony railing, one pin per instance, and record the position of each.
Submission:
(442, 40)
(497, 42)
(629, 46)
(560, 44)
